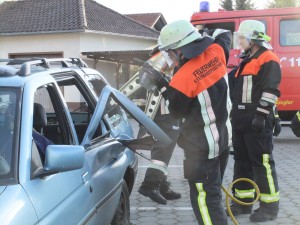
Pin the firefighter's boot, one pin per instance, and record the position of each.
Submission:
(153, 194)
(238, 209)
(265, 212)
(151, 185)
(167, 192)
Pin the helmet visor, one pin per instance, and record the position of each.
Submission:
(241, 41)
(171, 58)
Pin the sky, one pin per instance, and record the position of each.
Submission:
(170, 9)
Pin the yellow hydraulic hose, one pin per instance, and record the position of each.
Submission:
(228, 195)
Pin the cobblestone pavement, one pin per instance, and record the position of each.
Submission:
(287, 158)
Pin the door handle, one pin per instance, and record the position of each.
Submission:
(84, 177)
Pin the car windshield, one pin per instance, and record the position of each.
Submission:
(8, 132)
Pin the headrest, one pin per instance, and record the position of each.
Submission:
(39, 116)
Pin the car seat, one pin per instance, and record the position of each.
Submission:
(39, 118)
(39, 122)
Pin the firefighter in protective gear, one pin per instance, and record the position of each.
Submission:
(198, 93)
(155, 184)
(295, 124)
(256, 83)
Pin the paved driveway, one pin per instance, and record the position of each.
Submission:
(287, 157)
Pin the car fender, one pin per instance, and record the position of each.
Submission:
(15, 205)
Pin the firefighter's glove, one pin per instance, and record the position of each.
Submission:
(156, 77)
(277, 127)
(258, 124)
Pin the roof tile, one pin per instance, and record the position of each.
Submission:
(148, 19)
(27, 16)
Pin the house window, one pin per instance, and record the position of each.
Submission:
(35, 55)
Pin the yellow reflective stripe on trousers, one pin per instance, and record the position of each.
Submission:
(202, 204)
(269, 198)
(273, 196)
(244, 193)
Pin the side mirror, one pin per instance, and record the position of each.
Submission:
(63, 158)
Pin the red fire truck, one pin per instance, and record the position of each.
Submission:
(283, 26)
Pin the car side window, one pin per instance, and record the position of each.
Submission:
(79, 105)
(49, 126)
(114, 116)
(96, 83)
(46, 116)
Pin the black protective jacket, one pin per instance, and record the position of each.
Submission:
(198, 93)
(256, 89)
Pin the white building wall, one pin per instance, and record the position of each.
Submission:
(105, 42)
(72, 44)
(68, 43)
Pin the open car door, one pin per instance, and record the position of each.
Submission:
(160, 137)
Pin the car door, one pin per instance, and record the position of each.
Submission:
(106, 95)
(111, 164)
(58, 198)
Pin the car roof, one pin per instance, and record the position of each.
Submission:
(16, 72)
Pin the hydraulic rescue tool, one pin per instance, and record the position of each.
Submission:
(153, 98)
(140, 80)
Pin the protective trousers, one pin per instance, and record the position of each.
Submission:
(205, 189)
(254, 160)
(156, 175)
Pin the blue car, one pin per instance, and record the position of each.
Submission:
(66, 145)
